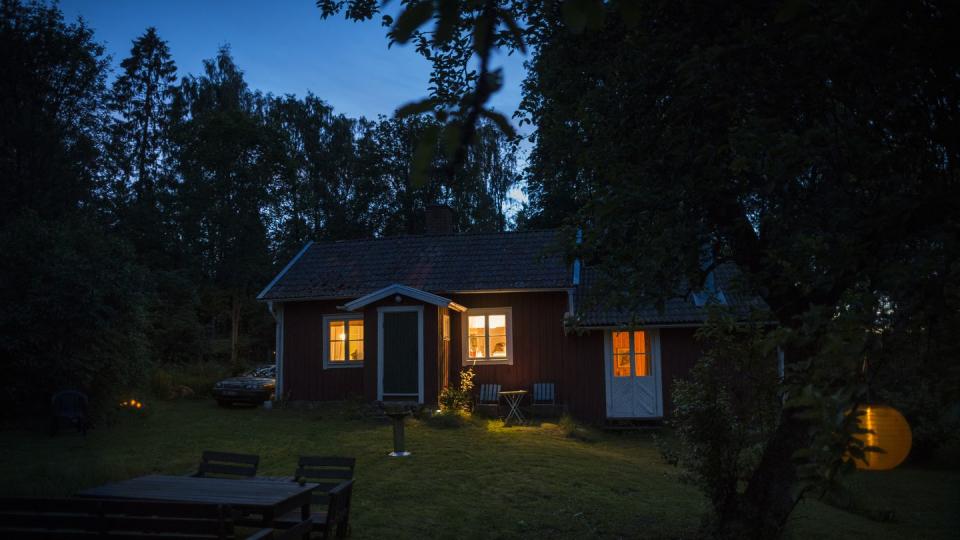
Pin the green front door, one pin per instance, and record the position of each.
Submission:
(401, 354)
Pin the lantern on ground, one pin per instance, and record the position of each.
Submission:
(889, 430)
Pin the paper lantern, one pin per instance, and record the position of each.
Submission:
(890, 431)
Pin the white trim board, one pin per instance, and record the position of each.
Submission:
(394, 309)
(285, 270)
(403, 290)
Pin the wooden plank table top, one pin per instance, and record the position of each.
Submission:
(268, 498)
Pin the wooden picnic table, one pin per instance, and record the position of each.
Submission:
(267, 498)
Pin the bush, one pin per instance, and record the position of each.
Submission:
(71, 314)
(458, 398)
(571, 429)
(725, 409)
(447, 419)
(161, 384)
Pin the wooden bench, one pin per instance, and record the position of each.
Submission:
(227, 465)
(333, 521)
(63, 518)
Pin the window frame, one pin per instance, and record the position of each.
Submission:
(465, 336)
(632, 354)
(347, 362)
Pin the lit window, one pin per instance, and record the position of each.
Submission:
(343, 341)
(488, 336)
(631, 347)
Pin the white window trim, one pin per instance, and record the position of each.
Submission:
(346, 364)
(465, 343)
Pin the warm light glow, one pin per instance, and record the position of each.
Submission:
(346, 340)
(890, 431)
(621, 354)
(487, 336)
(641, 360)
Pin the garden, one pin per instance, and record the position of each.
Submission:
(470, 479)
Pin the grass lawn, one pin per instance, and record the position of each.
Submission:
(477, 481)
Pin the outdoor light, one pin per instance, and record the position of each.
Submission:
(890, 431)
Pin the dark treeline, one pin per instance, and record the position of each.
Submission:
(140, 214)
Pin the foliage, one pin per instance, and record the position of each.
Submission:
(71, 314)
(460, 397)
(724, 411)
(194, 191)
(448, 419)
(569, 427)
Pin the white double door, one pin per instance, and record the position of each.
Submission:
(632, 366)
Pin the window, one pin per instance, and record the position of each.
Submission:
(631, 348)
(342, 341)
(488, 336)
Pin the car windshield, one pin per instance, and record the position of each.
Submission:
(262, 371)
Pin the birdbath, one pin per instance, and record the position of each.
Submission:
(398, 415)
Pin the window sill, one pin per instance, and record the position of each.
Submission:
(343, 366)
(497, 362)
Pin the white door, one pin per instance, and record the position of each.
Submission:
(632, 363)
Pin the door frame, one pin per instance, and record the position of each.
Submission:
(657, 364)
(394, 309)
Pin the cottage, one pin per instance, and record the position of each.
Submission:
(396, 318)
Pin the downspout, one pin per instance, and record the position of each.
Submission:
(277, 313)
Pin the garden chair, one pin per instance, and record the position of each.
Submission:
(227, 465)
(544, 397)
(70, 407)
(489, 397)
(334, 520)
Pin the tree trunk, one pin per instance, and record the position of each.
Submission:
(234, 328)
(772, 491)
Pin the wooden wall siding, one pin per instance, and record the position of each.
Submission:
(679, 351)
(303, 375)
(542, 351)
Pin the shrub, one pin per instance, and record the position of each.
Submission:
(571, 429)
(161, 384)
(459, 398)
(447, 419)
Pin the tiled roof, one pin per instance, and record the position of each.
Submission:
(678, 310)
(433, 263)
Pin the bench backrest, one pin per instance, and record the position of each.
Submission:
(27, 517)
(71, 403)
(327, 471)
(543, 393)
(489, 393)
(227, 464)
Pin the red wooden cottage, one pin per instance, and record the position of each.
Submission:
(396, 318)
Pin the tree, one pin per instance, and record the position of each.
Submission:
(50, 123)
(140, 101)
(223, 189)
(71, 308)
(813, 146)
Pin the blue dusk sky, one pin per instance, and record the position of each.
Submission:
(283, 47)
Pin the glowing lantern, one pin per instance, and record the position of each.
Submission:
(889, 431)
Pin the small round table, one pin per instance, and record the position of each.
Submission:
(398, 416)
(513, 398)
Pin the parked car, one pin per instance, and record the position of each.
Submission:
(255, 386)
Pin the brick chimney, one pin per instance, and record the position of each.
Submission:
(439, 219)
